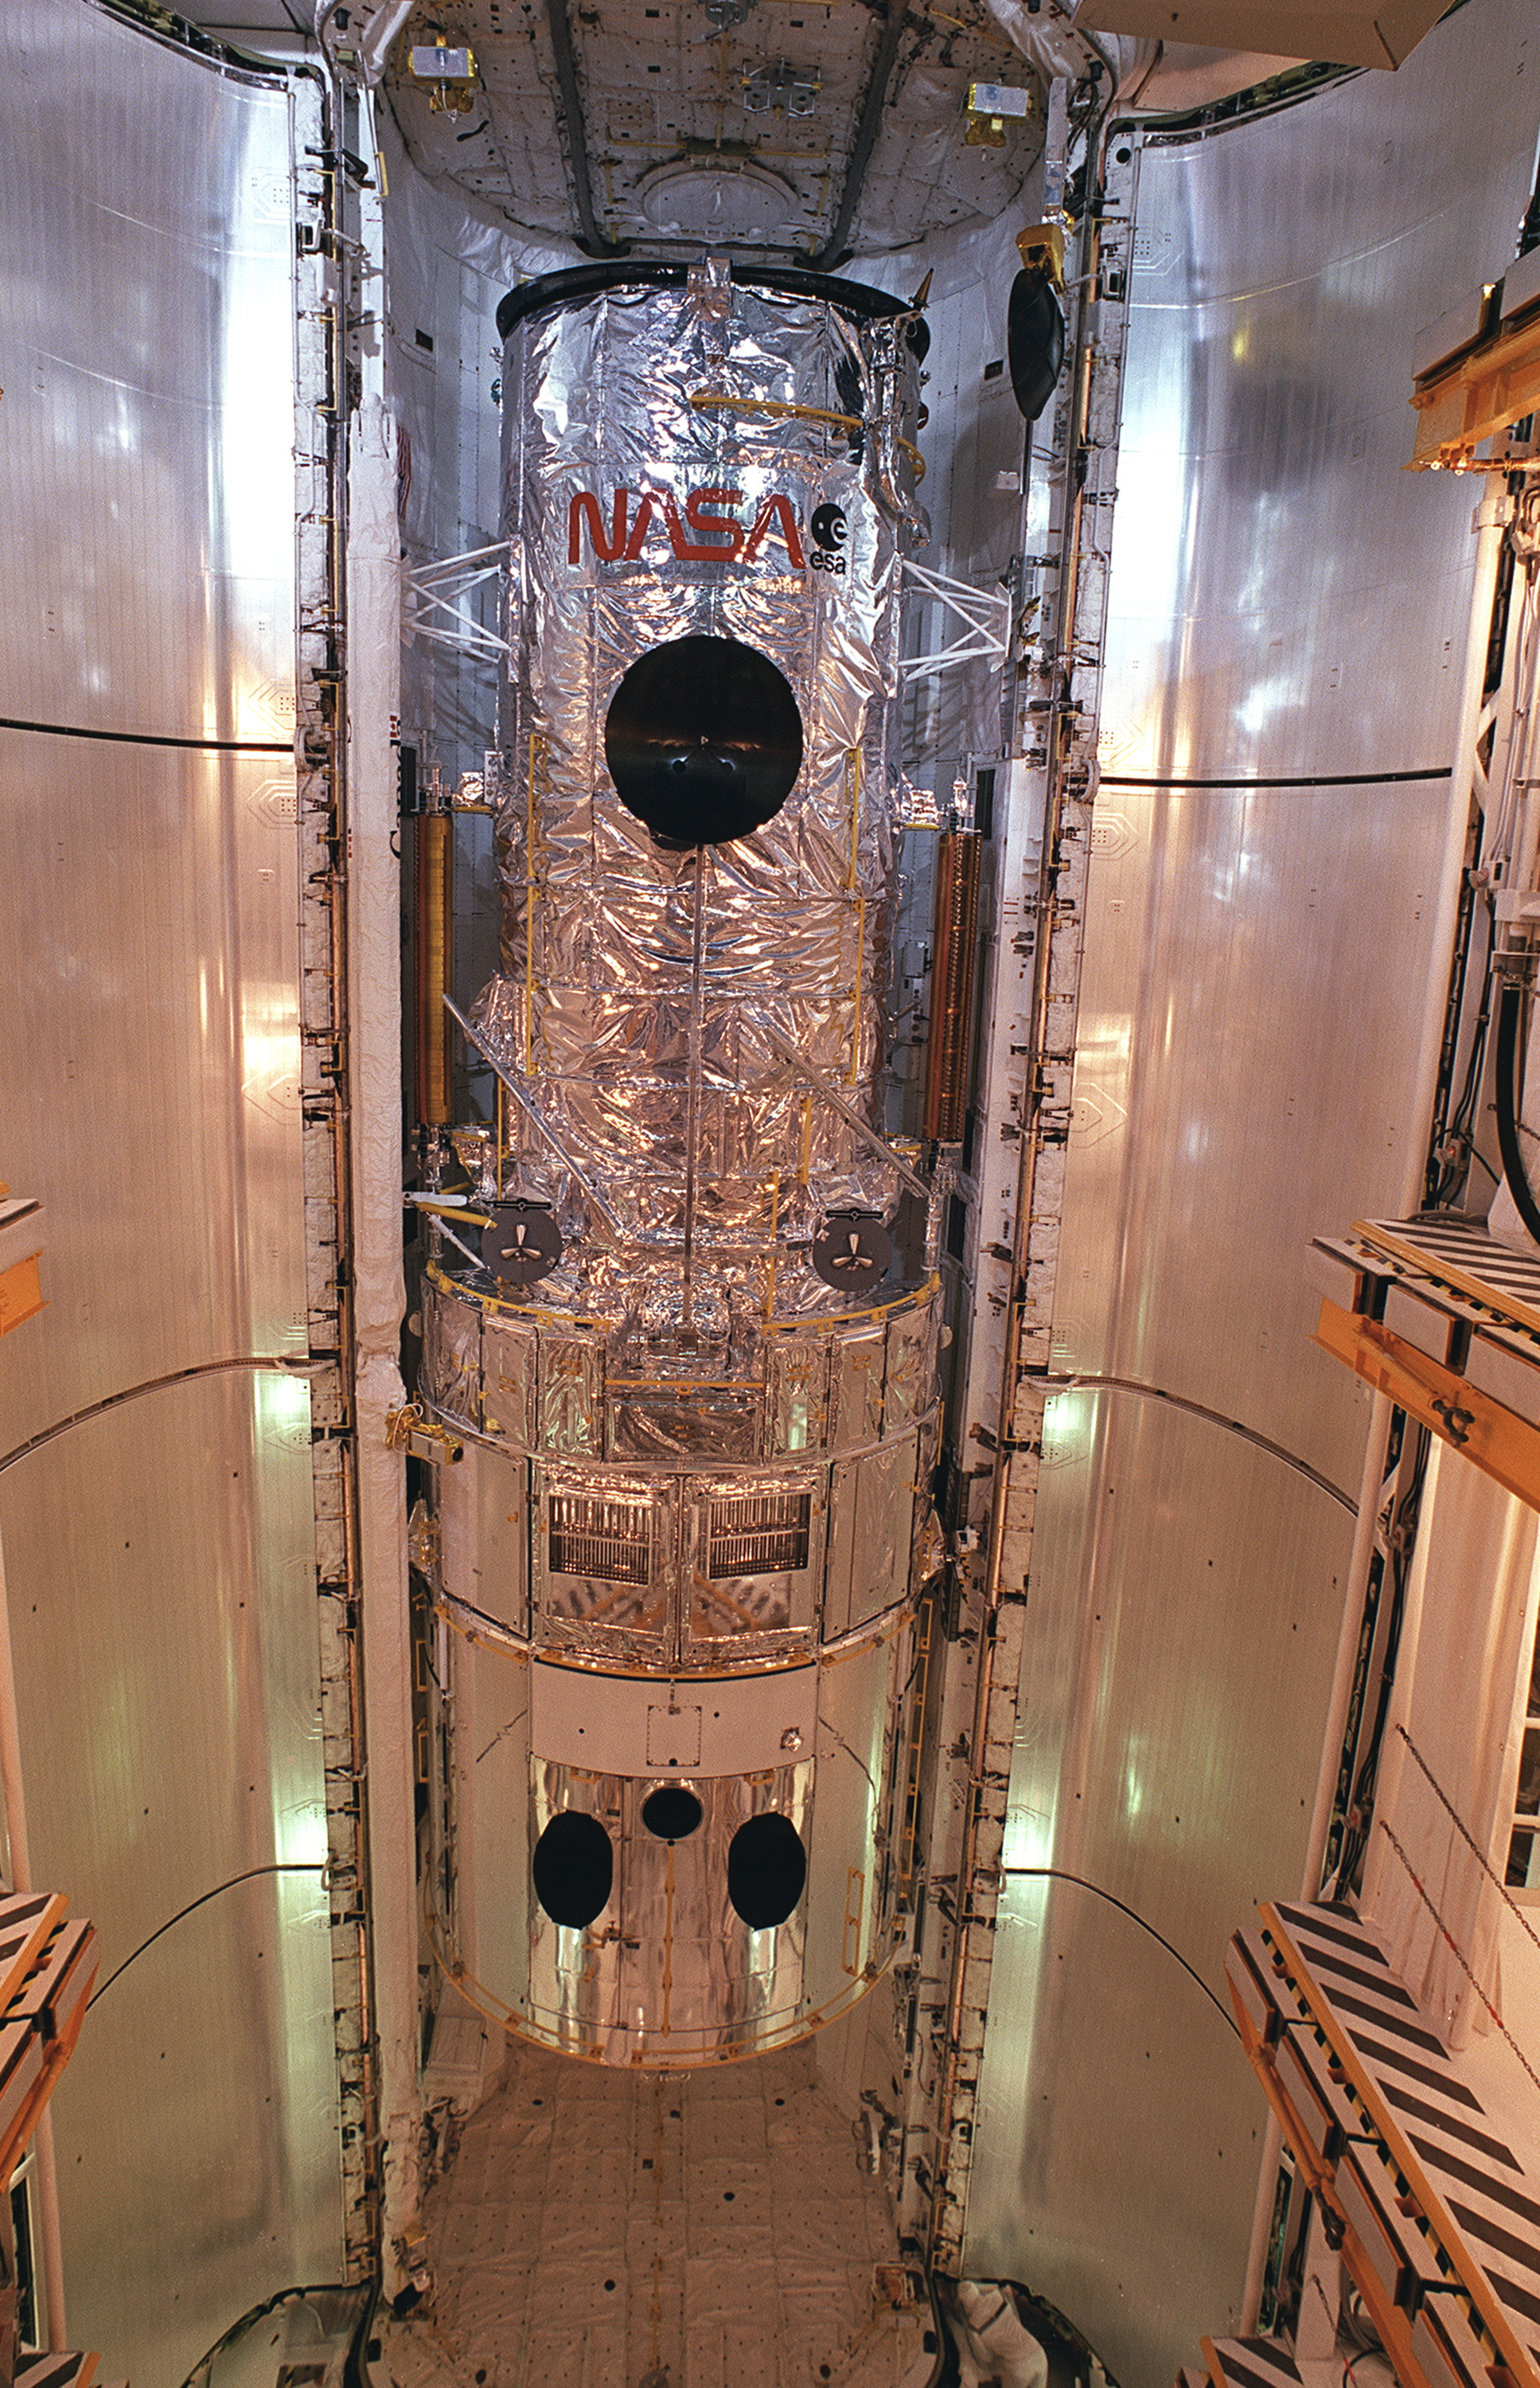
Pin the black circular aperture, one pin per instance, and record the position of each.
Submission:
(703, 739)
(671, 1813)
(574, 1868)
(766, 1869)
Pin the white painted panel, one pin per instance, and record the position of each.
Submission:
(606, 1722)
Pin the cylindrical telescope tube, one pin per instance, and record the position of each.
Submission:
(435, 945)
(946, 1074)
(692, 1376)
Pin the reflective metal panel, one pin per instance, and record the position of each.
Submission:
(160, 1563)
(572, 1379)
(755, 1557)
(856, 1389)
(1285, 598)
(911, 1371)
(862, 1699)
(491, 1793)
(872, 1512)
(796, 1373)
(604, 1556)
(160, 1553)
(146, 543)
(483, 1536)
(666, 1955)
(1251, 1002)
(149, 1008)
(1183, 1623)
(449, 1379)
(1245, 1069)
(509, 1355)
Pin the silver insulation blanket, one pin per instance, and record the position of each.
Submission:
(668, 461)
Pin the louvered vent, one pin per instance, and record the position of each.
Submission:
(766, 1533)
(609, 1540)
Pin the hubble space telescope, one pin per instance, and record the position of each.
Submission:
(686, 1330)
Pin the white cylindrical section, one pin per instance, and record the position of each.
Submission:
(759, 1905)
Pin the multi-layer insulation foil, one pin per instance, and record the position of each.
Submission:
(706, 459)
(688, 1537)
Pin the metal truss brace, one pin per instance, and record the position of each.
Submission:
(986, 613)
(875, 1144)
(432, 598)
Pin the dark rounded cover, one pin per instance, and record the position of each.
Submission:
(703, 739)
(766, 1869)
(578, 282)
(574, 1868)
(671, 1812)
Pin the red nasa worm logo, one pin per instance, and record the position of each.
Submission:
(706, 535)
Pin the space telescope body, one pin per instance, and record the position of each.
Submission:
(694, 1381)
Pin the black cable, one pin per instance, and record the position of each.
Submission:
(1458, 1121)
(1444, 1177)
(369, 2289)
(150, 738)
(252, 1875)
(1058, 1873)
(1401, 1541)
(1508, 1101)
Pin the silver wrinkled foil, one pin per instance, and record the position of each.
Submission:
(598, 1007)
(713, 1467)
(537, 1382)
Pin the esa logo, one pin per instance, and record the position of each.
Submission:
(828, 533)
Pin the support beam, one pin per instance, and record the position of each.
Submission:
(1476, 397)
(592, 241)
(867, 126)
(1009, 1410)
(1496, 1440)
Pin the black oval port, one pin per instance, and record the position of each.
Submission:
(767, 1871)
(671, 1813)
(574, 1868)
(703, 739)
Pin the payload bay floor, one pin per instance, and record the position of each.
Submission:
(712, 2231)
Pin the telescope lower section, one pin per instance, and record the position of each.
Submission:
(669, 1873)
(673, 1663)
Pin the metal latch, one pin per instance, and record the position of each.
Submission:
(408, 1428)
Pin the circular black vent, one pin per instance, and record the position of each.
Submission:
(852, 1251)
(703, 739)
(766, 1869)
(574, 1869)
(671, 1813)
(521, 1243)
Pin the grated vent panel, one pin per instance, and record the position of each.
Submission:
(765, 1533)
(610, 1541)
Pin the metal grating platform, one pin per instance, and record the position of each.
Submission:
(1438, 2221)
(1462, 1254)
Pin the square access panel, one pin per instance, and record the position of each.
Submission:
(1350, 33)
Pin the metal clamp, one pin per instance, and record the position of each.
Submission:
(410, 1429)
(1457, 1421)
